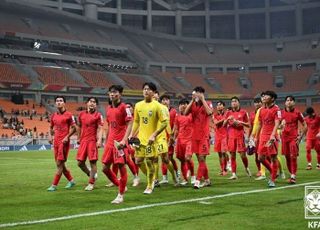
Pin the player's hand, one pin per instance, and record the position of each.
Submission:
(271, 141)
(50, 140)
(122, 144)
(236, 122)
(65, 140)
(201, 97)
(171, 141)
(194, 96)
(98, 144)
(151, 139)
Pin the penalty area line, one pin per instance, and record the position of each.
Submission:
(32, 222)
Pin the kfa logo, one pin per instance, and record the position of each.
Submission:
(312, 202)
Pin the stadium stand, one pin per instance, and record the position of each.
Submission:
(9, 74)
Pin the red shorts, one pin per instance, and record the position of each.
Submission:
(289, 148)
(236, 145)
(267, 151)
(171, 150)
(313, 144)
(130, 151)
(112, 155)
(183, 149)
(221, 145)
(87, 149)
(61, 151)
(200, 147)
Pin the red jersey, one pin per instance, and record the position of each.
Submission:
(89, 123)
(200, 121)
(267, 118)
(236, 131)
(184, 127)
(220, 130)
(117, 118)
(173, 114)
(290, 131)
(313, 125)
(61, 123)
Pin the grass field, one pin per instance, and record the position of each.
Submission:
(240, 204)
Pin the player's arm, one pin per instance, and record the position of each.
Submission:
(51, 134)
(188, 108)
(135, 125)
(162, 127)
(127, 134)
(272, 138)
(72, 130)
(79, 130)
(99, 131)
(303, 130)
(205, 104)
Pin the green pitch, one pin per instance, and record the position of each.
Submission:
(25, 177)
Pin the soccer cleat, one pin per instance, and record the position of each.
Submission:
(52, 188)
(164, 180)
(193, 179)
(89, 187)
(147, 191)
(196, 184)
(262, 177)
(292, 180)
(283, 175)
(206, 183)
(156, 184)
(248, 172)
(183, 182)
(70, 184)
(233, 177)
(110, 185)
(271, 184)
(118, 200)
(309, 167)
(136, 181)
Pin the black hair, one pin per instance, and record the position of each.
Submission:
(164, 96)
(118, 88)
(151, 85)
(183, 101)
(291, 97)
(309, 111)
(96, 100)
(60, 96)
(257, 100)
(199, 89)
(235, 98)
(221, 102)
(271, 94)
(129, 103)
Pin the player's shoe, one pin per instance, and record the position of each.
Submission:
(206, 183)
(147, 191)
(52, 188)
(309, 167)
(164, 180)
(183, 182)
(156, 184)
(193, 179)
(318, 166)
(89, 187)
(283, 175)
(271, 184)
(110, 185)
(233, 177)
(196, 184)
(136, 181)
(118, 200)
(262, 177)
(248, 172)
(292, 180)
(70, 184)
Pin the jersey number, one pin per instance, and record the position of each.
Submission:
(145, 120)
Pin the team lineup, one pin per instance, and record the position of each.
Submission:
(140, 135)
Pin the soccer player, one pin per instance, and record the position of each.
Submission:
(147, 114)
(257, 103)
(269, 121)
(313, 136)
(236, 119)
(290, 138)
(162, 143)
(90, 123)
(62, 127)
(119, 122)
(183, 136)
(201, 112)
(221, 137)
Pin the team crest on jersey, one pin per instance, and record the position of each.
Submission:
(150, 113)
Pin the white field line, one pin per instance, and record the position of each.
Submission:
(31, 222)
